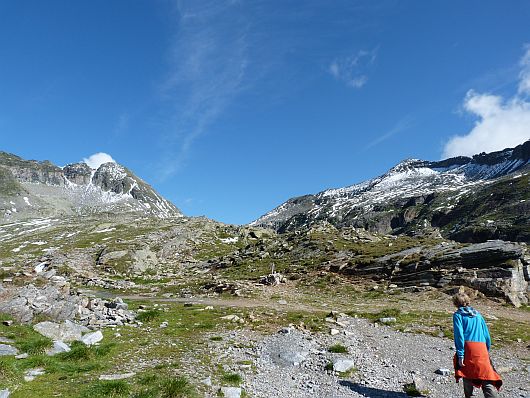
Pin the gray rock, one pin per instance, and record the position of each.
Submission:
(6, 350)
(231, 392)
(4, 393)
(58, 347)
(387, 320)
(443, 372)
(92, 338)
(343, 365)
(292, 358)
(118, 376)
(32, 373)
(22, 356)
(67, 331)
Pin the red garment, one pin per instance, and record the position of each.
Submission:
(477, 365)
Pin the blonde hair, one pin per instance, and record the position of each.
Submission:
(461, 300)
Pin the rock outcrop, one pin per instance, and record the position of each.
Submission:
(495, 268)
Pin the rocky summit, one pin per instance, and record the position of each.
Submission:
(30, 189)
(107, 290)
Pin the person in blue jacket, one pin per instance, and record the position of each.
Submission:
(472, 342)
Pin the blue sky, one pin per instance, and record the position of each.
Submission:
(228, 108)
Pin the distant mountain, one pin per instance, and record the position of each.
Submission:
(29, 188)
(467, 199)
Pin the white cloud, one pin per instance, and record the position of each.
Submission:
(353, 70)
(502, 123)
(97, 159)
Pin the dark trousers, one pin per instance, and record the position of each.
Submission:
(488, 389)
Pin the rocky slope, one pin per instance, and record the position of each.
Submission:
(31, 189)
(467, 199)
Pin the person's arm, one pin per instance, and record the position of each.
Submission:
(486, 334)
(458, 333)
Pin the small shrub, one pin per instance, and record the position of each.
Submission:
(338, 349)
(411, 390)
(329, 366)
(216, 338)
(148, 315)
(232, 378)
(177, 388)
(112, 388)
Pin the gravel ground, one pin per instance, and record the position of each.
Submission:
(291, 363)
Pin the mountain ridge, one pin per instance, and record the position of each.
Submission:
(33, 188)
(410, 183)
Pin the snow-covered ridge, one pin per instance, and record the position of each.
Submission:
(410, 178)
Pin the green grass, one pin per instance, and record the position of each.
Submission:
(111, 388)
(233, 379)
(338, 349)
(178, 387)
(35, 345)
(148, 316)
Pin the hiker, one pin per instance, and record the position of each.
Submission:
(472, 342)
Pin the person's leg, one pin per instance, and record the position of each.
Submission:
(468, 388)
(489, 389)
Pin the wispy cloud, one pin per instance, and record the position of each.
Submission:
(402, 125)
(353, 70)
(502, 123)
(209, 65)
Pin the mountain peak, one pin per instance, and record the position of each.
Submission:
(75, 189)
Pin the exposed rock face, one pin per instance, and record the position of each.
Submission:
(455, 196)
(495, 268)
(78, 173)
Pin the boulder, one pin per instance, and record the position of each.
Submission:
(343, 365)
(4, 393)
(67, 331)
(231, 392)
(57, 348)
(7, 350)
(92, 338)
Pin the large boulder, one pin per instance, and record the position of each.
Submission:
(67, 331)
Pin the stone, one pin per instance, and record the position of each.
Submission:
(7, 323)
(117, 376)
(334, 332)
(67, 331)
(343, 365)
(7, 350)
(443, 372)
(4, 393)
(22, 356)
(92, 338)
(231, 392)
(32, 373)
(291, 358)
(387, 320)
(58, 347)
(6, 340)
(163, 324)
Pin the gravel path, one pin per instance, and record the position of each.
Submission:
(291, 363)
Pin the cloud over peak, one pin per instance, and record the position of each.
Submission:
(502, 123)
(97, 159)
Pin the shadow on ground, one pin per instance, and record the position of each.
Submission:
(372, 392)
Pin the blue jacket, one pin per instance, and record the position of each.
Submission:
(469, 325)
